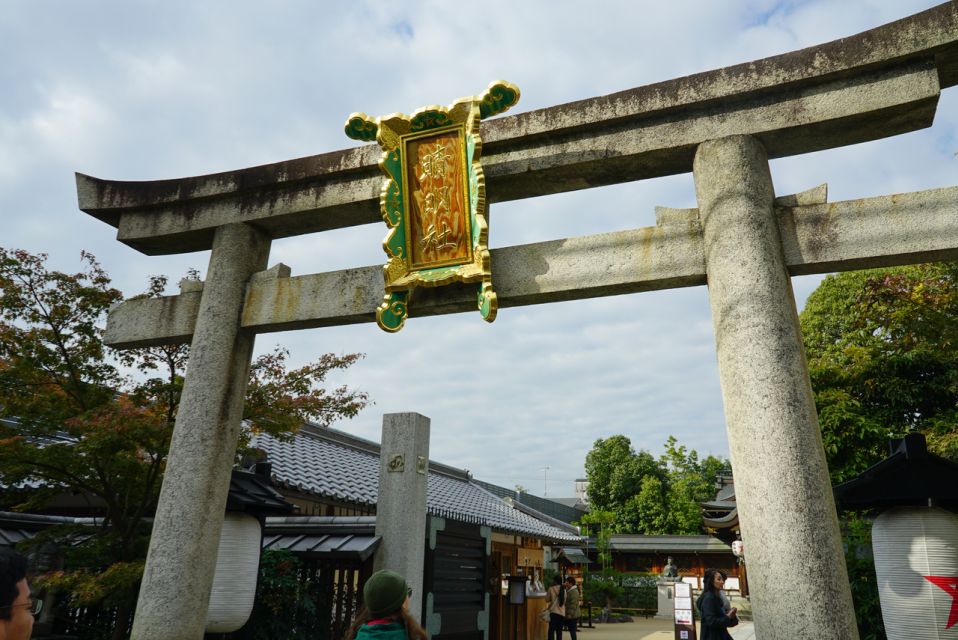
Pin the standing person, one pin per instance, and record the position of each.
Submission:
(385, 611)
(16, 607)
(572, 600)
(555, 600)
(716, 617)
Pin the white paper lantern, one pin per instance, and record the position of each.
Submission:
(234, 585)
(916, 561)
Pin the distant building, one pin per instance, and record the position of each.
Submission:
(633, 553)
(720, 518)
(479, 535)
(582, 490)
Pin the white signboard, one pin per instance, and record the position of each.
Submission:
(684, 620)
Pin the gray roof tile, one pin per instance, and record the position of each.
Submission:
(335, 465)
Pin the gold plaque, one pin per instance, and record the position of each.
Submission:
(434, 199)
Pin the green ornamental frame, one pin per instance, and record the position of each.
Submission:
(434, 199)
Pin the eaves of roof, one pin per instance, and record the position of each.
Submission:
(724, 522)
(335, 537)
(911, 475)
(719, 505)
(667, 544)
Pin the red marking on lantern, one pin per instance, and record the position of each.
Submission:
(948, 584)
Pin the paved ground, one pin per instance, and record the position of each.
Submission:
(648, 629)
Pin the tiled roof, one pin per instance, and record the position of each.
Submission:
(549, 506)
(16, 527)
(348, 537)
(664, 544)
(351, 538)
(911, 475)
(254, 494)
(333, 464)
(574, 555)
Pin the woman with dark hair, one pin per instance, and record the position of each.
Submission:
(555, 600)
(385, 611)
(717, 617)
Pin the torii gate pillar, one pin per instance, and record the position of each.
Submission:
(785, 502)
(181, 561)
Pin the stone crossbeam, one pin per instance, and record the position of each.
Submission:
(879, 83)
(817, 238)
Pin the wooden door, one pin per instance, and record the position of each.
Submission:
(456, 606)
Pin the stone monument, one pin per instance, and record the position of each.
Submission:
(665, 588)
(670, 572)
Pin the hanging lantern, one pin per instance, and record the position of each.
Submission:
(251, 498)
(916, 562)
(237, 563)
(738, 548)
(914, 544)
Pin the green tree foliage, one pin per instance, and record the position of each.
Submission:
(647, 495)
(646, 512)
(598, 524)
(881, 348)
(600, 588)
(857, 539)
(79, 426)
(285, 604)
(690, 482)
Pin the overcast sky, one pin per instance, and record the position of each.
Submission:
(143, 90)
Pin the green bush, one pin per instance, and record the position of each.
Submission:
(286, 602)
(621, 590)
(857, 539)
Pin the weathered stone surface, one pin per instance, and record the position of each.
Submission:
(181, 561)
(906, 228)
(817, 238)
(401, 504)
(879, 83)
(784, 496)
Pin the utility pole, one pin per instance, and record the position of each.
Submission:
(545, 482)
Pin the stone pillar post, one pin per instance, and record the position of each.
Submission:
(796, 568)
(175, 591)
(401, 506)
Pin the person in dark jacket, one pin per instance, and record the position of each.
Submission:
(716, 618)
(572, 600)
(385, 611)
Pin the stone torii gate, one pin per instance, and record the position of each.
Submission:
(741, 241)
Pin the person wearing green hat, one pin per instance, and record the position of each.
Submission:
(385, 611)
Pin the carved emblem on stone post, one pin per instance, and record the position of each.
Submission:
(397, 463)
(434, 199)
